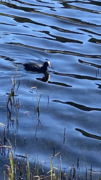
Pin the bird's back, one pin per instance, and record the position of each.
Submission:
(32, 66)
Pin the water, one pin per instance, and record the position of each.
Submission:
(63, 110)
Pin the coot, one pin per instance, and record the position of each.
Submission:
(37, 67)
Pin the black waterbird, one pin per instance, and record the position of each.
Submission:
(37, 67)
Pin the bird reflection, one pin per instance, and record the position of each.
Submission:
(45, 78)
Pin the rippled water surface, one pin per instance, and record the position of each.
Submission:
(59, 111)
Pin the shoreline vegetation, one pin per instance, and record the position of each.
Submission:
(18, 167)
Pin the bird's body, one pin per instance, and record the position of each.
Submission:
(37, 67)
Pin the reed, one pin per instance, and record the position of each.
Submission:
(28, 170)
(11, 166)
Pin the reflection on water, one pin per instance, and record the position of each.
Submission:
(12, 104)
(45, 78)
(68, 33)
(88, 134)
(79, 106)
(89, 63)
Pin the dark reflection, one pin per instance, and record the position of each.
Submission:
(99, 85)
(98, 3)
(70, 6)
(89, 31)
(64, 30)
(27, 20)
(64, 40)
(9, 24)
(45, 78)
(76, 76)
(11, 5)
(60, 84)
(66, 5)
(79, 106)
(60, 38)
(6, 58)
(89, 63)
(88, 134)
(94, 40)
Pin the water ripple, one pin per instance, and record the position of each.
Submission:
(68, 96)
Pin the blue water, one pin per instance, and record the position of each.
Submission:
(68, 34)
